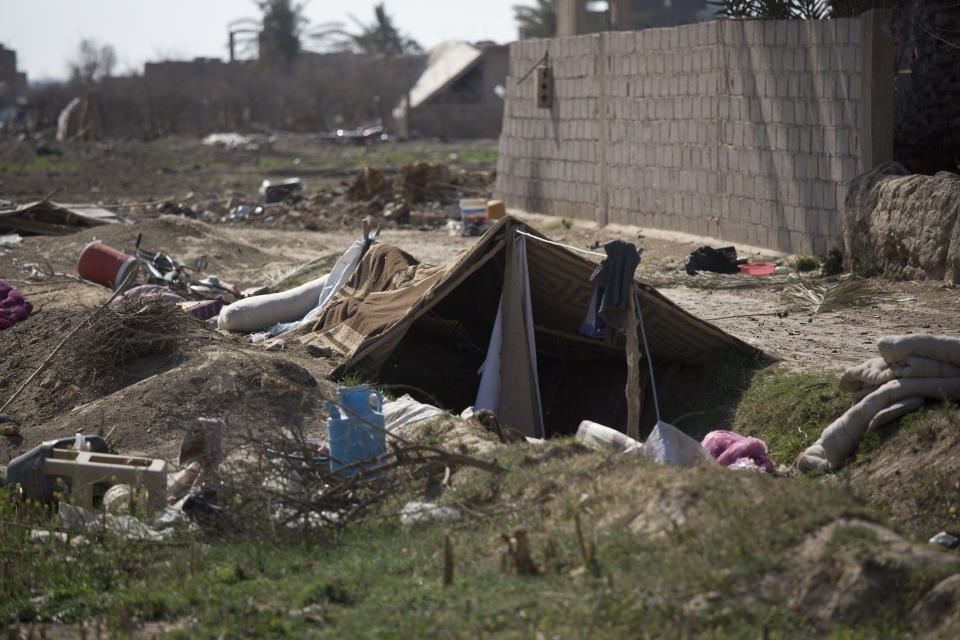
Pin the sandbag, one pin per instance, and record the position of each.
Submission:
(842, 436)
(259, 312)
(873, 372)
(917, 367)
(896, 410)
(896, 349)
(863, 392)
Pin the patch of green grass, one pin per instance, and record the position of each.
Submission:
(789, 410)
(806, 262)
(276, 162)
(42, 163)
(674, 552)
(386, 155)
(563, 223)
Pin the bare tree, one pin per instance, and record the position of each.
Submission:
(93, 62)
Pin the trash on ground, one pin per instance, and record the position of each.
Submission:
(281, 190)
(14, 307)
(421, 512)
(9, 240)
(105, 265)
(356, 429)
(81, 466)
(669, 445)
(736, 451)
(757, 268)
(601, 437)
(46, 217)
(723, 260)
(944, 539)
(405, 411)
(86, 522)
(231, 140)
(911, 369)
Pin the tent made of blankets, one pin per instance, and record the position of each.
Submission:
(512, 306)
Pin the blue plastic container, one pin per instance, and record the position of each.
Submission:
(356, 429)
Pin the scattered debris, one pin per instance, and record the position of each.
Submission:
(948, 540)
(738, 452)
(273, 191)
(14, 307)
(723, 260)
(420, 512)
(46, 217)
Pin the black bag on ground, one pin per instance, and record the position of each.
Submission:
(710, 259)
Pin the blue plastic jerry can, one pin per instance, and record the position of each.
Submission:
(356, 429)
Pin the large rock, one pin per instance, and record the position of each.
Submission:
(896, 222)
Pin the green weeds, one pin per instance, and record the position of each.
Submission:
(789, 410)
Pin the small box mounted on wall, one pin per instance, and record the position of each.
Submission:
(544, 87)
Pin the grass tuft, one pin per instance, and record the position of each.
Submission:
(789, 410)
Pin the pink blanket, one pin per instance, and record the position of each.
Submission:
(733, 450)
(13, 307)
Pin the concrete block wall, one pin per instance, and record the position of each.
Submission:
(742, 130)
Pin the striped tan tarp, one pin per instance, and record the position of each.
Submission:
(390, 290)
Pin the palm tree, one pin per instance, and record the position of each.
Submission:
(281, 26)
(539, 21)
(380, 37)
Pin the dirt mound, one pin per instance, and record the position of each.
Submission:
(119, 335)
(854, 569)
(369, 183)
(185, 240)
(255, 393)
(908, 224)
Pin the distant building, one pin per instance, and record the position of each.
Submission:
(13, 84)
(459, 94)
(628, 15)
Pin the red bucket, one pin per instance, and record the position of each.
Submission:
(104, 265)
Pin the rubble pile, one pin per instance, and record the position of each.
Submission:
(420, 193)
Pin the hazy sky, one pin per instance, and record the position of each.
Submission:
(45, 33)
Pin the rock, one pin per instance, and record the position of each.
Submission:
(854, 569)
(938, 603)
(893, 221)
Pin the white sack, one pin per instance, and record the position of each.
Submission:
(917, 367)
(258, 312)
(406, 411)
(668, 445)
(896, 349)
(843, 435)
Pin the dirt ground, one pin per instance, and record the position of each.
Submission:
(221, 375)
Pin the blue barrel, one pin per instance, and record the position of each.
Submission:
(355, 429)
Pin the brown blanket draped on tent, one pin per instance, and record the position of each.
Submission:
(428, 327)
